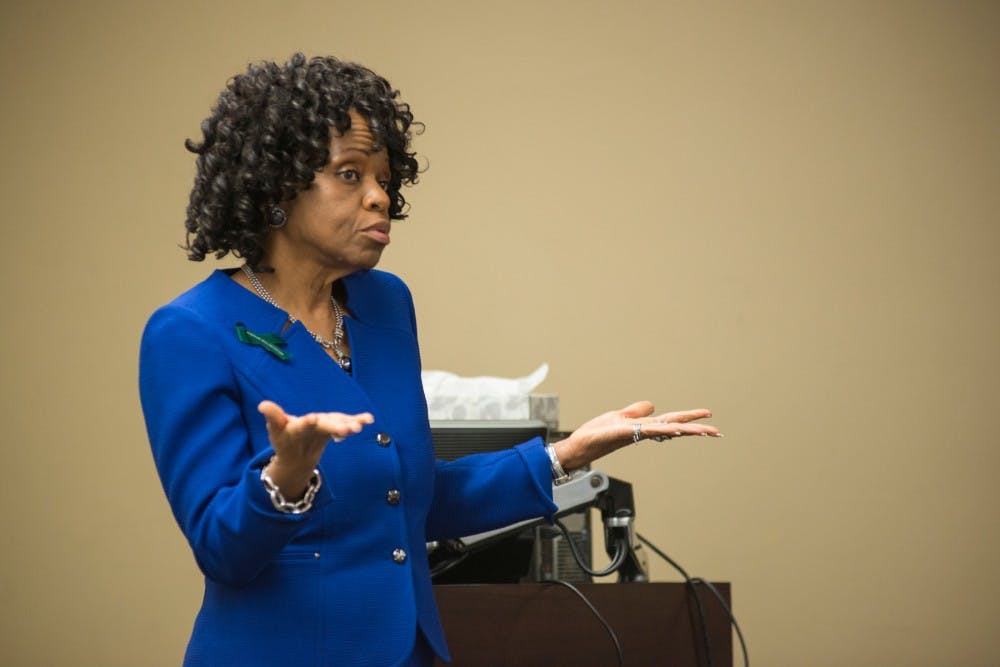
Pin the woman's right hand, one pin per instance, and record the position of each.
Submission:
(299, 443)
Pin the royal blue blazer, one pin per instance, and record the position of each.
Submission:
(321, 588)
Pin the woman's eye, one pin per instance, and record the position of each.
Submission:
(349, 175)
(384, 185)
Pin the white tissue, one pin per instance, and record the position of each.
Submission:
(443, 383)
(451, 397)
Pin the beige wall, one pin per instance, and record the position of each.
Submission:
(784, 211)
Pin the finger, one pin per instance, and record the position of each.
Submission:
(338, 425)
(683, 416)
(274, 415)
(637, 410)
(677, 430)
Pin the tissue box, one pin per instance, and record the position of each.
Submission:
(543, 407)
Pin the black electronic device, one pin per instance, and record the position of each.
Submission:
(455, 438)
(529, 553)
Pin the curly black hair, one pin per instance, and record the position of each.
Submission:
(269, 134)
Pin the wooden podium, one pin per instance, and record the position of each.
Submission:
(547, 625)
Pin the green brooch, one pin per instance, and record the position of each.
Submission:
(270, 342)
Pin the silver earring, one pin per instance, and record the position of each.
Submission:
(278, 217)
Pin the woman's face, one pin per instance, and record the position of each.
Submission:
(342, 219)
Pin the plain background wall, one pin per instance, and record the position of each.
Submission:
(784, 211)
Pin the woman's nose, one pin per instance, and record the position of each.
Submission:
(376, 199)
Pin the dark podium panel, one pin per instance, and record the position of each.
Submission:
(539, 625)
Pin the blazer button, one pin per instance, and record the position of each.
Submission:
(392, 496)
(399, 555)
(383, 439)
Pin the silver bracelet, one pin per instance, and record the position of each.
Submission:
(559, 475)
(283, 505)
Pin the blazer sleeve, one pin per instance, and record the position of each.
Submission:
(201, 446)
(490, 490)
(486, 491)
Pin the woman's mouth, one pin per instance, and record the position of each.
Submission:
(378, 232)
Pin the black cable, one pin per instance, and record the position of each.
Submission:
(664, 556)
(446, 565)
(698, 580)
(706, 644)
(607, 626)
(732, 618)
(621, 553)
(693, 591)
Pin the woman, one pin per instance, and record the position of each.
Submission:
(283, 400)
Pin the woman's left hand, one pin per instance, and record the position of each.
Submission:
(612, 430)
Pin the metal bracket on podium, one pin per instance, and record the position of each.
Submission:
(580, 491)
